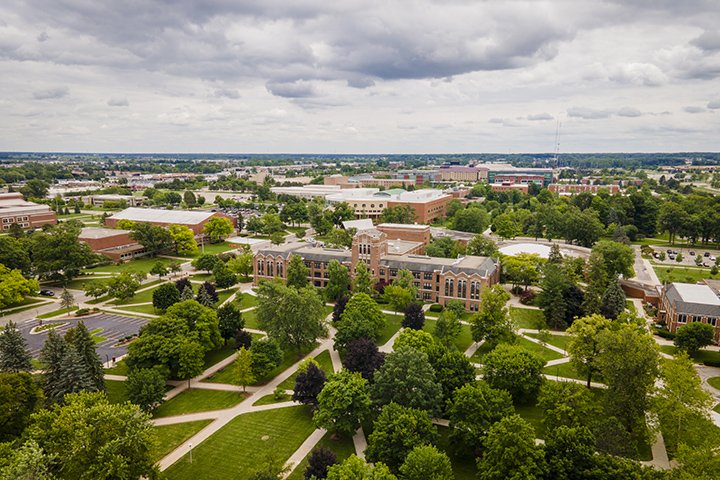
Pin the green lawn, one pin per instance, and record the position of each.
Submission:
(528, 318)
(543, 352)
(137, 265)
(270, 399)
(120, 368)
(25, 302)
(55, 313)
(559, 341)
(717, 408)
(142, 297)
(699, 357)
(245, 300)
(202, 277)
(171, 436)
(198, 400)
(392, 325)
(96, 337)
(668, 274)
(323, 360)
(140, 309)
(17, 308)
(211, 248)
(246, 444)
(227, 374)
(116, 391)
(462, 342)
(714, 382)
(534, 415)
(214, 356)
(80, 282)
(225, 294)
(342, 447)
(480, 353)
(566, 370)
(250, 319)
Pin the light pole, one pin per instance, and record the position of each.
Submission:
(190, 446)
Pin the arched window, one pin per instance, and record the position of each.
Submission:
(449, 287)
(261, 267)
(280, 269)
(271, 272)
(462, 290)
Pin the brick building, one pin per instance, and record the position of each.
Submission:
(15, 210)
(683, 303)
(115, 244)
(437, 279)
(570, 188)
(194, 220)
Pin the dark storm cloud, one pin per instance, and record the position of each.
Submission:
(51, 93)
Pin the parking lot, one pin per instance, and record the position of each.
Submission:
(114, 327)
(688, 256)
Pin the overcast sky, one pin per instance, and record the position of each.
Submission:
(359, 76)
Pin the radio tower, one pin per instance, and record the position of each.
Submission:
(557, 144)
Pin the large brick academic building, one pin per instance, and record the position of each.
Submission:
(386, 250)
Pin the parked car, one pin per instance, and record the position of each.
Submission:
(656, 255)
(692, 253)
(668, 251)
(712, 258)
(706, 254)
(47, 293)
(671, 256)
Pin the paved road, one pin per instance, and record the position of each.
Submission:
(114, 328)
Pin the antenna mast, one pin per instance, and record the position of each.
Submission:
(557, 144)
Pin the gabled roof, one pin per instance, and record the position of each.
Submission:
(694, 299)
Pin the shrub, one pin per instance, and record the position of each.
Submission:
(436, 307)
(527, 297)
(81, 312)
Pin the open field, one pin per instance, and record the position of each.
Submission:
(198, 400)
(171, 436)
(528, 318)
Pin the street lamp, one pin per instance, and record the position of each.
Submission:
(190, 446)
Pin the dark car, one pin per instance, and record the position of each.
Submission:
(692, 253)
(706, 254)
(671, 256)
(47, 293)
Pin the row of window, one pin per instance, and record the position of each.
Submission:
(271, 270)
(684, 318)
(461, 291)
(16, 219)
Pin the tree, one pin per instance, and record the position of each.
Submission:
(309, 384)
(120, 449)
(506, 226)
(566, 404)
(14, 287)
(218, 229)
(414, 317)
(340, 238)
(452, 371)
(80, 340)
(155, 239)
(425, 462)
(67, 299)
(475, 407)
(444, 247)
(343, 403)
(584, 344)
(182, 283)
(482, 246)
(408, 379)
(58, 254)
(516, 370)
(14, 354)
(35, 188)
(124, 285)
(618, 258)
(338, 283)
(292, 316)
(191, 360)
(597, 280)
(265, 356)
(613, 300)
(243, 339)
(319, 461)
(206, 262)
(419, 340)
(165, 296)
(398, 214)
(189, 198)
(229, 321)
(694, 336)
(244, 375)
(682, 404)
(52, 355)
(474, 219)
(95, 289)
(396, 432)
(554, 284)
(400, 298)
(448, 328)
(242, 264)
(492, 322)
(206, 296)
(159, 269)
(522, 269)
(570, 453)
(363, 280)
(187, 293)
(146, 388)
(14, 254)
(28, 462)
(297, 272)
(362, 318)
(510, 452)
(277, 238)
(628, 362)
(355, 468)
(20, 396)
(224, 278)
(363, 356)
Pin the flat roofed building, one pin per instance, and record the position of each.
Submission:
(437, 279)
(683, 303)
(570, 188)
(194, 220)
(115, 244)
(14, 209)
(100, 200)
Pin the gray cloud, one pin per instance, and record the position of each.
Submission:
(629, 112)
(51, 93)
(118, 102)
(708, 41)
(540, 116)
(43, 37)
(713, 104)
(588, 113)
(227, 93)
(693, 109)
(291, 89)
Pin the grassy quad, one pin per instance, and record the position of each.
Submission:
(246, 444)
(560, 341)
(528, 318)
(462, 342)
(392, 325)
(699, 357)
(323, 359)
(199, 400)
(714, 382)
(669, 274)
(142, 265)
(171, 436)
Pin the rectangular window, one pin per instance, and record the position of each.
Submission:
(682, 318)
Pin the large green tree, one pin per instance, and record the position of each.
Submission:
(146, 388)
(510, 452)
(14, 254)
(183, 240)
(155, 239)
(693, 336)
(482, 246)
(297, 272)
(353, 468)
(14, 287)
(14, 354)
(338, 283)
(408, 379)
(79, 339)
(426, 462)
(515, 369)
(292, 316)
(492, 322)
(363, 282)
(218, 229)
(165, 296)
(343, 403)
(584, 345)
(618, 258)
(362, 317)
(396, 432)
(20, 396)
(121, 448)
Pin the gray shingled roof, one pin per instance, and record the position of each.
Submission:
(694, 299)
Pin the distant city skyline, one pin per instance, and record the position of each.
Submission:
(365, 77)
